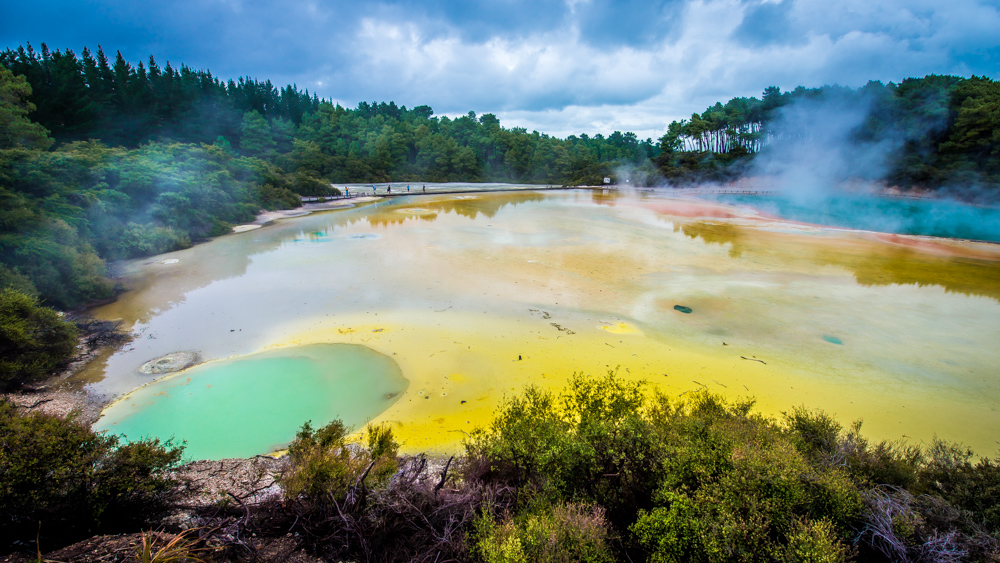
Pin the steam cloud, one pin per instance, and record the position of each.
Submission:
(829, 168)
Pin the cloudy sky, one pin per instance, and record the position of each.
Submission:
(558, 66)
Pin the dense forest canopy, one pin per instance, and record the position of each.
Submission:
(930, 132)
(103, 160)
(90, 97)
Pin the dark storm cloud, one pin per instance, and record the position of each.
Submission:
(564, 66)
(477, 21)
(767, 23)
(628, 22)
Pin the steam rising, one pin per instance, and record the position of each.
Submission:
(814, 150)
(829, 165)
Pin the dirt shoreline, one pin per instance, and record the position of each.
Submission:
(267, 217)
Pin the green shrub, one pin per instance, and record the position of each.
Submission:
(671, 532)
(320, 462)
(34, 340)
(12, 278)
(272, 197)
(704, 479)
(974, 487)
(560, 533)
(306, 184)
(324, 466)
(821, 438)
(815, 542)
(145, 240)
(591, 443)
(76, 482)
(734, 488)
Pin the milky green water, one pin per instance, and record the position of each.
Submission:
(253, 404)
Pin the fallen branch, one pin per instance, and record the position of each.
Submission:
(754, 360)
(33, 405)
(444, 475)
(246, 519)
(361, 480)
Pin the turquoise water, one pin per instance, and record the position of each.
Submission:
(930, 217)
(254, 404)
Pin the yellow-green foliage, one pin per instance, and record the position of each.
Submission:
(179, 549)
(591, 443)
(321, 463)
(324, 465)
(559, 533)
(382, 450)
(704, 479)
(735, 489)
(815, 542)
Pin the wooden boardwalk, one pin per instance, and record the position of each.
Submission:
(355, 193)
(403, 193)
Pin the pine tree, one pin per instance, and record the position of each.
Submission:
(256, 139)
(16, 130)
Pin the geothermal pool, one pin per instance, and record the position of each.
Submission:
(933, 217)
(473, 296)
(259, 397)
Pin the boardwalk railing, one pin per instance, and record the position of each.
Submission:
(719, 191)
(361, 192)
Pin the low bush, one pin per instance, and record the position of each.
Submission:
(359, 501)
(560, 533)
(34, 340)
(592, 443)
(75, 482)
(273, 197)
(706, 479)
(145, 240)
(972, 486)
(606, 470)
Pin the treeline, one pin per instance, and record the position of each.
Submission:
(604, 471)
(90, 97)
(104, 160)
(65, 212)
(935, 131)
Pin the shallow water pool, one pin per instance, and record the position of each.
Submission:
(253, 404)
(474, 296)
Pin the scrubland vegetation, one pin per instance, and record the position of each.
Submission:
(606, 470)
(62, 481)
